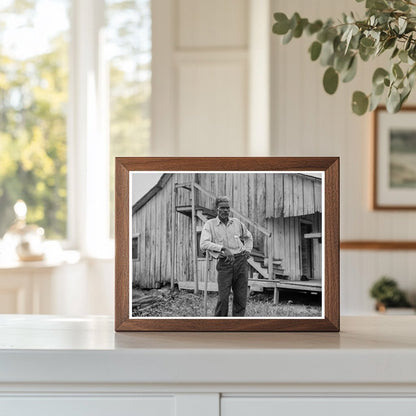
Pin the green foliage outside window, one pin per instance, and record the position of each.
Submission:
(33, 97)
(129, 39)
(34, 102)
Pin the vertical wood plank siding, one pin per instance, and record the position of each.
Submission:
(275, 201)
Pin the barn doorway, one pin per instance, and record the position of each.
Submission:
(306, 251)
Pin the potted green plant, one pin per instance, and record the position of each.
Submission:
(387, 294)
(389, 27)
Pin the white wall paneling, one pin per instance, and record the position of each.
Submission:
(206, 404)
(200, 93)
(307, 122)
(163, 128)
(212, 98)
(360, 269)
(259, 78)
(212, 24)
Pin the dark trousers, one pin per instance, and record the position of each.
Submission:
(232, 276)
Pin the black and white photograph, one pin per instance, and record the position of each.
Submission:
(226, 244)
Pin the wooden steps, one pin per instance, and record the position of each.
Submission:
(187, 210)
(277, 269)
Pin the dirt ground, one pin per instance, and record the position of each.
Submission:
(167, 303)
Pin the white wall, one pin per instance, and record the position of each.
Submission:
(200, 80)
(308, 122)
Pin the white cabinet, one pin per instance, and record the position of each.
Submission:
(322, 406)
(88, 406)
(80, 366)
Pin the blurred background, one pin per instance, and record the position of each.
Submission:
(83, 81)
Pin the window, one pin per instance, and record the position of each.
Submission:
(33, 98)
(75, 87)
(129, 44)
(135, 248)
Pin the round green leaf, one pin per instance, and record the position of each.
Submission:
(376, 4)
(359, 103)
(408, 42)
(411, 77)
(315, 50)
(314, 27)
(294, 20)
(378, 90)
(403, 97)
(330, 80)
(400, 5)
(351, 71)
(374, 102)
(367, 42)
(393, 101)
(288, 37)
(395, 52)
(298, 30)
(327, 54)
(412, 52)
(379, 75)
(397, 71)
(281, 26)
(322, 36)
(389, 43)
(403, 55)
(366, 53)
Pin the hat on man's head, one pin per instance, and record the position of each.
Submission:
(220, 199)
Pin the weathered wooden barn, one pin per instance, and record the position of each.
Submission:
(282, 211)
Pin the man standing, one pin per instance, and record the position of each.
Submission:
(228, 240)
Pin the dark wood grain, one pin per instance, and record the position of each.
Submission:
(121, 244)
(329, 165)
(332, 225)
(378, 245)
(376, 205)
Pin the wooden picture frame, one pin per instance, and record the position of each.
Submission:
(394, 158)
(315, 179)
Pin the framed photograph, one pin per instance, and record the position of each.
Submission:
(227, 244)
(394, 159)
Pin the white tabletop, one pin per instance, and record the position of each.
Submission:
(373, 349)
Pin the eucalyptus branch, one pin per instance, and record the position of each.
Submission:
(389, 25)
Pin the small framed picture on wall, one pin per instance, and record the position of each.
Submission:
(394, 159)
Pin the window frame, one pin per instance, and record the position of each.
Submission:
(87, 129)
